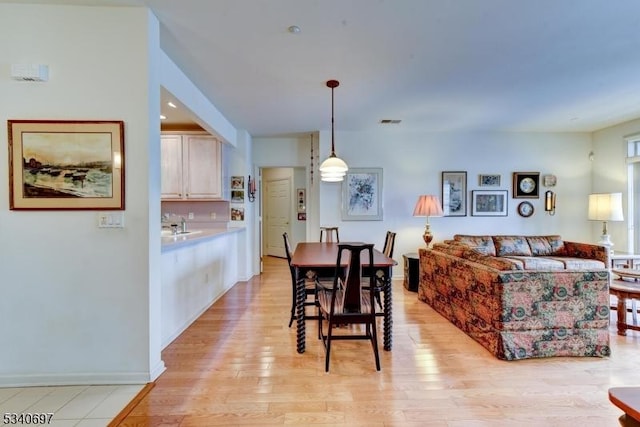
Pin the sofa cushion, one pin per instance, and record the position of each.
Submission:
(546, 245)
(571, 263)
(539, 263)
(499, 263)
(483, 244)
(451, 249)
(511, 245)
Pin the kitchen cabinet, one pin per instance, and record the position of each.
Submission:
(191, 167)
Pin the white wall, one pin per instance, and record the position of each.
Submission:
(76, 300)
(238, 162)
(412, 164)
(610, 175)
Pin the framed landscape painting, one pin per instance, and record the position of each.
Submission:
(489, 203)
(65, 165)
(362, 195)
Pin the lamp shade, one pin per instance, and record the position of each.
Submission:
(428, 205)
(334, 165)
(605, 207)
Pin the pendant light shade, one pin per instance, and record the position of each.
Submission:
(333, 169)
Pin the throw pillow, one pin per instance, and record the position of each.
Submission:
(511, 245)
(482, 244)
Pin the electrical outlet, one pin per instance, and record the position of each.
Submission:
(190, 215)
(213, 215)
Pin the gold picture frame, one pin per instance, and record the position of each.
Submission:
(66, 165)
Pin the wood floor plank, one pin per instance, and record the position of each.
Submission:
(237, 365)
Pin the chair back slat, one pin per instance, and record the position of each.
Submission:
(352, 291)
(389, 243)
(330, 232)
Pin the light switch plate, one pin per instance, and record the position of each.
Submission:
(110, 219)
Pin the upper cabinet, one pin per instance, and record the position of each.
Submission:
(191, 167)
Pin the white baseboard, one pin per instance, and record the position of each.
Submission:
(157, 371)
(74, 379)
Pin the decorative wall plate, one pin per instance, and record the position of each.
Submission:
(526, 185)
(525, 209)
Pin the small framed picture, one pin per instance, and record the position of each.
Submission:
(526, 185)
(237, 213)
(237, 196)
(237, 182)
(489, 203)
(489, 180)
(549, 180)
(454, 193)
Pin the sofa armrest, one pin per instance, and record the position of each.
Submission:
(587, 250)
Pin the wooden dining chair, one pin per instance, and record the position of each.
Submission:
(347, 302)
(327, 234)
(310, 288)
(381, 279)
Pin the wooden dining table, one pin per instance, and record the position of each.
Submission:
(322, 256)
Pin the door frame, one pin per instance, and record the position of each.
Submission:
(299, 230)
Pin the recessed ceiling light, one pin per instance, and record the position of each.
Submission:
(171, 104)
(163, 117)
(294, 29)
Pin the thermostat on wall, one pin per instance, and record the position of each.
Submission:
(30, 72)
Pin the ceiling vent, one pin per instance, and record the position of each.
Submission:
(390, 121)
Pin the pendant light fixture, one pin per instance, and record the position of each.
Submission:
(334, 168)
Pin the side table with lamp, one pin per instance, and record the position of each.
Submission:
(605, 207)
(427, 206)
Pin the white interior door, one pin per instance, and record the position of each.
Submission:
(277, 215)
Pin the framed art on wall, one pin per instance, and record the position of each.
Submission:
(237, 182)
(526, 185)
(454, 193)
(66, 165)
(487, 180)
(525, 209)
(489, 203)
(362, 195)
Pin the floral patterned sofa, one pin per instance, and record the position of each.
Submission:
(521, 296)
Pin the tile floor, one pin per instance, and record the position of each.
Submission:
(78, 406)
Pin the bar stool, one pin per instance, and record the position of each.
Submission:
(329, 232)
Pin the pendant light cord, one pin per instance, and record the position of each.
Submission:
(332, 84)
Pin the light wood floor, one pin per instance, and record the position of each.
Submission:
(237, 366)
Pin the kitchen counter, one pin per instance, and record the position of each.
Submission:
(195, 237)
(196, 270)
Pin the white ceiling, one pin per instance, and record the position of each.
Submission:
(438, 65)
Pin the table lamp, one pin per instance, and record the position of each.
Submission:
(428, 205)
(605, 207)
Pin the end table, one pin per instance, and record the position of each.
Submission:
(411, 271)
